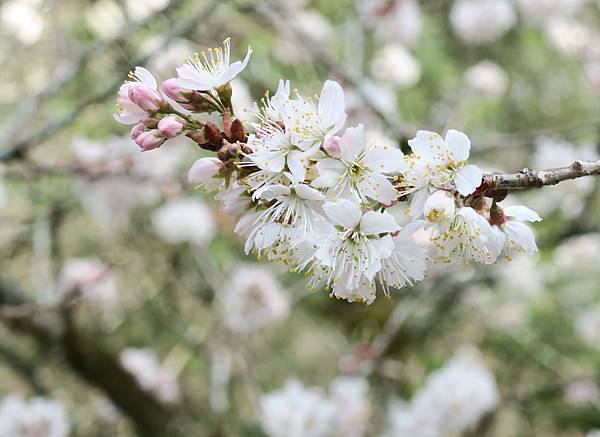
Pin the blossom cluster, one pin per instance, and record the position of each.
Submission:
(453, 399)
(313, 194)
(30, 418)
(296, 410)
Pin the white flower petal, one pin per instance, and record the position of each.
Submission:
(145, 77)
(332, 105)
(377, 187)
(425, 144)
(467, 179)
(330, 170)
(305, 192)
(353, 142)
(373, 223)
(344, 213)
(384, 159)
(459, 144)
(522, 236)
(522, 213)
(296, 165)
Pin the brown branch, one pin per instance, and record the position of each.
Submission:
(91, 361)
(528, 178)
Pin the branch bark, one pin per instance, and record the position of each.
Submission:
(528, 178)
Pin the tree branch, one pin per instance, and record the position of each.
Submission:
(528, 178)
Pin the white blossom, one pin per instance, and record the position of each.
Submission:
(351, 255)
(453, 399)
(396, 20)
(361, 170)
(395, 65)
(539, 11)
(211, 69)
(297, 411)
(91, 278)
(478, 22)
(253, 299)
(587, 326)
(487, 78)
(351, 399)
(37, 417)
(439, 163)
(21, 20)
(512, 234)
(144, 365)
(184, 220)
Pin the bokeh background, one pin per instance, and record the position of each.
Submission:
(127, 306)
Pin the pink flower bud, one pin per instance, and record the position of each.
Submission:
(137, 130)
(333, 146)
(170, 126)
(149, 140)
(146, 98)
(174, 91)
(203, 170)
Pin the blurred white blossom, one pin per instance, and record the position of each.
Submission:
(297, 411)
(184, 220)
(23, 20)
(488, 78)
(351, 399)
(581, 392)
(539, 11)
(574, 254)
(570, 37)
(592, 69)
(144, 365)
(453, 399)
(91, 278)
(395, 65)
(587, 326)
(36, 417)
(141, 9)
(253, 299)
(105, 18)
(482, 21)
(393, 20)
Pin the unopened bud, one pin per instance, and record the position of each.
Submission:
(203, 170)
(225, 92)
(145, 97)
(172, 89)
(137, 130)
(170, 126)
(333, 146)
(149, 140)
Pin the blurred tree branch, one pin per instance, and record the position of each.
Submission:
(90, 360)
(67, 70)
(18, 149)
